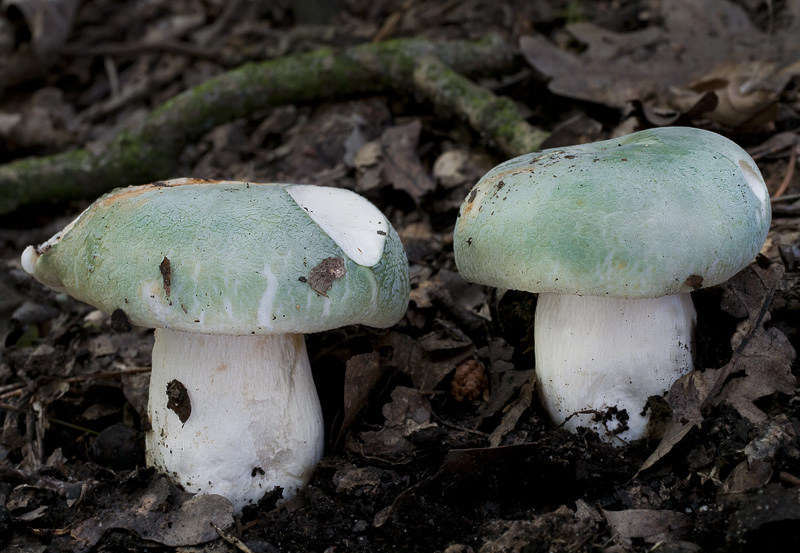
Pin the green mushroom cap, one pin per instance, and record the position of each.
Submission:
(224, 257)
(658, 212)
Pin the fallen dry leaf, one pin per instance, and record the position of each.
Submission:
(362, 373)
(434, 356)
(650, 525)
(762, 361)
(408, 408)
(703, 47)
(542, 532)
(768, 517)
(322, 276)
(512, 414)
(393, 160)
(504, 378)
(180, 520)
(407, 426)
(47, 25)
(745, 477)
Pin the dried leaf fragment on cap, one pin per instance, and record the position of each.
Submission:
(322, 276)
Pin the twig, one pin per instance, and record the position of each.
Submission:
(59, 422)
(113, 76)
(110, 374)
(786, 198)
(233, 540)
(230, 12)
(787, 178)
(8, 407)
(138, 89)
(13, 387)
(495, 117)
(789, 478)
(66, 424)
(390, 25)
(139, 48)
(460, 428)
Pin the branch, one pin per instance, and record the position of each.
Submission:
(150, 152)
(495, 117)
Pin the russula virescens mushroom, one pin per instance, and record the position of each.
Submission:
(613, 236)
(231, 274)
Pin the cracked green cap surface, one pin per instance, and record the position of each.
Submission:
(658, 212)
(225, 257)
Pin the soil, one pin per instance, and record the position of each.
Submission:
(434, 437)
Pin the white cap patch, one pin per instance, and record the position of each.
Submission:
(29, 257)
(357, 226)
(757, 185)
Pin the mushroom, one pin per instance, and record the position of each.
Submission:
(231, 274)
(614, 235)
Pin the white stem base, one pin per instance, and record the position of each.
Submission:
(595, 353)
(255, 420)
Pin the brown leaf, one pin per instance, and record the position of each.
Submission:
(368, 162)
(460, 166)
(387, 444)
(402, 167)
(322, 276)
(407, 408)
(351, 478)
(322, 147)
(362, 373)
(766, 363)
(408, 416)
(770, 437)
(550, 531)
(701, 38)
(154, 515)
(505, 380)
(433, 357)
(596, 79)
(100, 345)
(774, 508)
(734, 105)
(744, 477)
(650, 525)
(512, 415)
(762, 359)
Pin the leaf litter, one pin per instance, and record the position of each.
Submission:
(410, 464)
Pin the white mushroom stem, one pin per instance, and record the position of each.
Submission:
(255, 421)
(598, 353)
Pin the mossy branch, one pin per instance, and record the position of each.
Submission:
(495, 117)
(150, 152)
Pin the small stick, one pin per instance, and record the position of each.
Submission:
(789, 478)
(233, 540)
(789, 174)
(111, 374)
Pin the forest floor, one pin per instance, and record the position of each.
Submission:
(434, 437)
